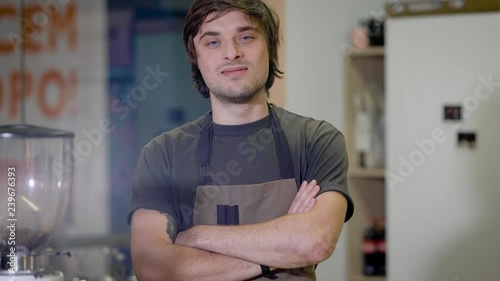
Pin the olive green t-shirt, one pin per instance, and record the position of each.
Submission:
(168, 169)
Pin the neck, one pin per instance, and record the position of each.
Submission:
(237, 114)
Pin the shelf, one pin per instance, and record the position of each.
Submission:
(363, 68)
(367, 173)
(443, 7)
(368, 52)
(367, 278)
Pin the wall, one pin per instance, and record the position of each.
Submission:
(278, 91)
(443, 218)
(317, 32)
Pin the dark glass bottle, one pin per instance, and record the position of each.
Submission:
(381, 248)
(369, 250)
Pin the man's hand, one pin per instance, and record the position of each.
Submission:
(305, 198)
(183, 238)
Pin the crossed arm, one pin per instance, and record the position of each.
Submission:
(306, 235)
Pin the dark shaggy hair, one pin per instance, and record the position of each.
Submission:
(256, 9)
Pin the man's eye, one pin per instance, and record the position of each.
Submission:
(212, 43)
(247, 38)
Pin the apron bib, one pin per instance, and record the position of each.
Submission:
(248, 204)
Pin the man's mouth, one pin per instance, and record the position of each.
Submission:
(234, 71)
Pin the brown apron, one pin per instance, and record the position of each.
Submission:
(248, 204)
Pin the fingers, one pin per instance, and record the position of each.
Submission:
(304, 200)
(293, 207)
(311, 204)
(310, 200)
(305, 196)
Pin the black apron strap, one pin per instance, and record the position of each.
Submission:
(205, 153)
(282, 148)
(280, 142)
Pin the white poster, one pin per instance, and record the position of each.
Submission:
(65, 87)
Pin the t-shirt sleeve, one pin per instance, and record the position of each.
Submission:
(328, 163)
(150, 182)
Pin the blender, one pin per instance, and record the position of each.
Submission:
(36, 174)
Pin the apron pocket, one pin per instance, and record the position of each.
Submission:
(228, 215)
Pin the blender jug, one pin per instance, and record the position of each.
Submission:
(36, 176)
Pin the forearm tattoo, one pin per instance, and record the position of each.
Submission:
(171, 226)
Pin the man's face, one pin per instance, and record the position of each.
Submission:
(233, 57)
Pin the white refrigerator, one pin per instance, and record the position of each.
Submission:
(442, 189)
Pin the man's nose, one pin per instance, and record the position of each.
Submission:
(232, 51)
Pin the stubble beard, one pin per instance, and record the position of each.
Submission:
(238, 96)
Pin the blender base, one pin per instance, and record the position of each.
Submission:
(57, 276)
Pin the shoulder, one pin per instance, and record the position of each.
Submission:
(185, 135)
(297, 125)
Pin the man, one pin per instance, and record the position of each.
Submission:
(217, 199)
